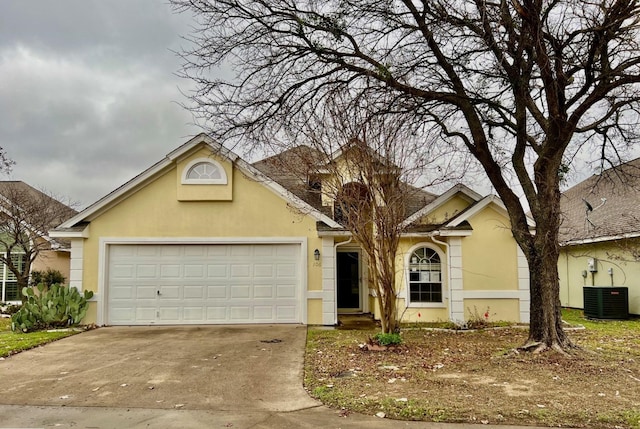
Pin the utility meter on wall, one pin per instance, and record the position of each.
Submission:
(592, 265)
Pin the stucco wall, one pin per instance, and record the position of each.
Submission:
(53, 259)
(489, 254)
(155, 211)
(610, 255)
(446, 211)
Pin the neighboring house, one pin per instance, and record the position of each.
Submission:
(600, 235)
(204, 237)
(29, 212)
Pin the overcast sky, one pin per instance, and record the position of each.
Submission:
(88, 92)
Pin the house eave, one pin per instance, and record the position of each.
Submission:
(600, 239)
(69, 234)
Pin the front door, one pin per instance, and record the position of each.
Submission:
(349, 281)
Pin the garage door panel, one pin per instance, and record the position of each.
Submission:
(285, 312)
(168, 251)
(231, 283)
(194, 271)
(145, 314)
(217, 292)
(240, 291)
(263, 313)
(240, 270)
(146, 292)
(122, 271)
(239, 313)
(287, 270)
(148, 250)
(263, 270)
(216, 314)
(217, 271)
(286, 291)
(263, 291)
(170, 271)
(122, 292)
(170, 292)
(194, 292)
(193, 314)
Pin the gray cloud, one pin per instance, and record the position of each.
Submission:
(89, 94)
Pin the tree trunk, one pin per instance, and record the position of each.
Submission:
(545, 329)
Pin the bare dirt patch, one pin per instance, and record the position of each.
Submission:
(480, 377)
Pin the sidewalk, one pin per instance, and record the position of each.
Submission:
(20, 416)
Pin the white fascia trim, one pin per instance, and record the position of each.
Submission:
(70, 234)
(441, 233)
(601, 239)
(334, 234)
(103, 262)
(454, 233)
(459, 188)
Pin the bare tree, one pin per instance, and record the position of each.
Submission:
(363, 168)
(26, 215)
(522, 85)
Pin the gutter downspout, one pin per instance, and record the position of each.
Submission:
(446, 245)
(335, 277)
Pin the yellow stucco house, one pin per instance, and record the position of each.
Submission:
(600, 237)
(203, 237)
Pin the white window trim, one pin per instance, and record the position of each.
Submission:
(443, 268)
(4, 280)
(221, 181)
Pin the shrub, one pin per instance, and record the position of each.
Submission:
(56, 306)
(47, 278)
(388, 339)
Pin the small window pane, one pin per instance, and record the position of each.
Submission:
(11, 291)
(204, 171)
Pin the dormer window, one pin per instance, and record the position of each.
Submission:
(204, 171)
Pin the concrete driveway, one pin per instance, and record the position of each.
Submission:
(220, 368)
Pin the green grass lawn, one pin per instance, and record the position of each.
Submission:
(15, 342)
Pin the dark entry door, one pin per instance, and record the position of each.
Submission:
(349, 281)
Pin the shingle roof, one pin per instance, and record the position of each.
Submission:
(614, 197)
(291, 167)
(62, 211)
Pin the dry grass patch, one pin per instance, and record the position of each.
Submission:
(479, 377)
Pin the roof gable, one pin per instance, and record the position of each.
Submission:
(457, 190)
(183, 151)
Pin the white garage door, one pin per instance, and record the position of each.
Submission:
(193, 284)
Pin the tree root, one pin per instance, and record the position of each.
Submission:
(537, 347)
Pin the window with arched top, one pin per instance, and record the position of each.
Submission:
(425, 276)
(204, 172)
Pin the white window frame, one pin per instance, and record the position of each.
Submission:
(3, 280)
(409, 303)
(185, 172)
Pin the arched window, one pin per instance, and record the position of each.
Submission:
(204, 172)
(425, 276)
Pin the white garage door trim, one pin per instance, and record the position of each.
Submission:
(103, 262)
